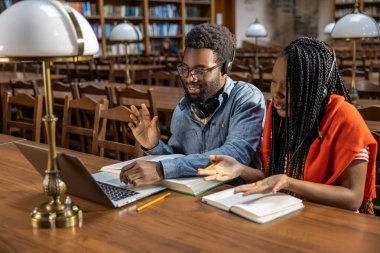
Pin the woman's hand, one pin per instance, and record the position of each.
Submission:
(270, 184)
(227, 168)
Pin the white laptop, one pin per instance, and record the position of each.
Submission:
(101, 187)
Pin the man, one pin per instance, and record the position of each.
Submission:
(216, 116)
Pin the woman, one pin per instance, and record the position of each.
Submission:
(315, 143)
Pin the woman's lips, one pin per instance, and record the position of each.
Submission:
(279, 107)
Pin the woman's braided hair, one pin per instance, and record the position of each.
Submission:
(312, 75)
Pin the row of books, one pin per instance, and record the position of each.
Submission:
(373, 10)
(122, 11)
(164, 11)
(192, 11)
(164, 29)
(87, 9)
(188, 27)
(341, 12)
(344, 1)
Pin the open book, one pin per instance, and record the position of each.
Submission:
(188, 185)
(260, 208)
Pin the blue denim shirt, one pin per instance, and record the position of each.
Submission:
(234, 129)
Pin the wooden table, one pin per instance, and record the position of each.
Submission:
(373, 126)
(7, 77)
(4, 139)
(180, 223)
(364, 103)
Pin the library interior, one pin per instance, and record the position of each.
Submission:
(190, 125)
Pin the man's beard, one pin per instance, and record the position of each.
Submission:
(207, 89)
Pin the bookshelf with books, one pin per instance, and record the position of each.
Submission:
(119, 11)
(91, 11)
(372, 8)
(156, 19)
(4, 4)
(165, 21)
(198, 11)
(368, 7)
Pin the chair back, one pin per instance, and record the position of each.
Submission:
(122, 147)
(370, 113)
(27, 87)
(104, 70)
(95, 90)
(87, 126)
(22, 101)
(130, 96)
(84, 71)
(162, 78)
(241, 76)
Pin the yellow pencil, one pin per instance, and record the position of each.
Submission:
(211, 166)
(152, 202)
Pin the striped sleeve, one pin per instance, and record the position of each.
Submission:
(363, 154)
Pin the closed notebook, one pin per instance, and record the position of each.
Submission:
(193, 186)
(260, 208)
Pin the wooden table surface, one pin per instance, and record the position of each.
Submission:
(180, 223)
(6, 77)
(373, 126)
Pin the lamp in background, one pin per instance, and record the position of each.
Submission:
(256, 30)
(355, 26)
(48, 31)
(126, 32)
(328, 28)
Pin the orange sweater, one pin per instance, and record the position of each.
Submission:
(344, 133)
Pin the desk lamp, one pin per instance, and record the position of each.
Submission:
(256, 30)
(126, 32)
(355, 26)
(48, 31)
(328, 28)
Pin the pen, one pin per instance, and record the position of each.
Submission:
(152, 202)
(211, 166)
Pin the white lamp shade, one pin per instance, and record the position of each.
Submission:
(125, 32)
(256, 30)
(354, 26)
(43, 28)
(328, 28)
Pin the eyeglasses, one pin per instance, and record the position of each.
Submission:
(199, 73)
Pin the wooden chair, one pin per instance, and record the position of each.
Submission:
(121, 117)
(31, 68)
(130, 96)
(14, 121)
(27, 87)
(84, 71)
(89, 129)
(241, 76)
(162, 78)
(59, 92)
(367, 89)
(370, 113)
(96, 91)
(104, 70)
(63, 68)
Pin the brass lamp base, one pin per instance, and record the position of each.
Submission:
(354, 95)
(56, 215)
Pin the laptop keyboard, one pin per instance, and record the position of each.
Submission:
(116, 193)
